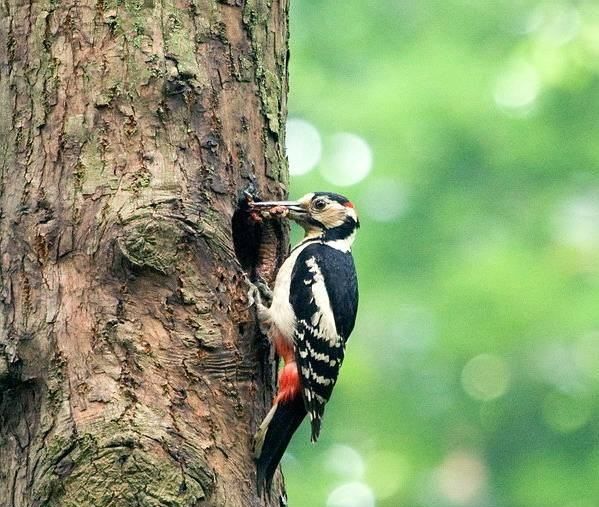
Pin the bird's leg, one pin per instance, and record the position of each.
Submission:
(264, 290)
(257, 291)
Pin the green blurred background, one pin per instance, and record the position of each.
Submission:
(467, 134)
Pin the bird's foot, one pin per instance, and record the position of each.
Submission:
(259, 292)
(264, 289)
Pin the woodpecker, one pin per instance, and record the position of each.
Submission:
(310, 318)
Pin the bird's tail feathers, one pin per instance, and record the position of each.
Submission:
(273, 436)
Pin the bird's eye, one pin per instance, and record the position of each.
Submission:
(320, 204)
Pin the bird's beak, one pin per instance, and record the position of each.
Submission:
(292, 206)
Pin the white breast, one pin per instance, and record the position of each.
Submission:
(281, 311)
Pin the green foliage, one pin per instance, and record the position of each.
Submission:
(472, 377)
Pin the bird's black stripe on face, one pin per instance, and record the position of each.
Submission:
(342, 231)
(312, 221)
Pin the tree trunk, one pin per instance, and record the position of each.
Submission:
(131, 370)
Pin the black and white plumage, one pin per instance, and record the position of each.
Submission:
(313, 311)
(324, 298)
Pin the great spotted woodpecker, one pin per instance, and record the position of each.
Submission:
(313, 311)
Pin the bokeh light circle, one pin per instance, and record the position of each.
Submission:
(387, 473)
(586, 355)
(461, 477)
(345, 461)
(351, 494)
(485, 377)
(556, 24)
(383, 200)
(576, 221)
(517, 87)
(565, 414)
(304, 146)
(347, 161)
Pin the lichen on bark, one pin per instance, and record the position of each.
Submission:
(111, 467)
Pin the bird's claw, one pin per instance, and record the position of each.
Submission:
(253, 295)
(264, 290)
(258, 292)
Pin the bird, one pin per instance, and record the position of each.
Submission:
(312, 313)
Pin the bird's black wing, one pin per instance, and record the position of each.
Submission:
(324, 297)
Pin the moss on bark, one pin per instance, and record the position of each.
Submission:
(114, 466)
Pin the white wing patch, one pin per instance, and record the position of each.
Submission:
(323, 320)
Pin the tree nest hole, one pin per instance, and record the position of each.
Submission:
(260, 246)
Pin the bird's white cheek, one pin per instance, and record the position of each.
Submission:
(332, 217)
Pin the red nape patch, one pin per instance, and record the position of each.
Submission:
(289, 383)
(349, 204)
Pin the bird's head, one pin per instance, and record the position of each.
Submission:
(326, 214)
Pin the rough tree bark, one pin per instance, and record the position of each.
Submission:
(131, 372)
